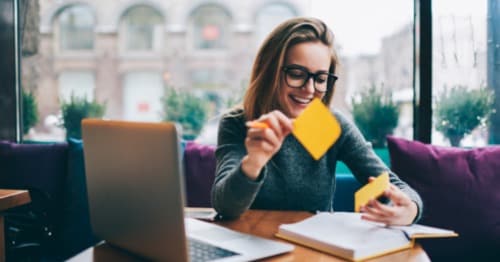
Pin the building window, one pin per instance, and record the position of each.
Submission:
(459, 63)
(142, 94)
(142, 29)
(77, 84)
(269, 17)
(210, 27)
(75, 26)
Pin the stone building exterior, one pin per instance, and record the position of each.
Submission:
(125, 52)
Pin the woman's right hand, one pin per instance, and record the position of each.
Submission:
(262, 143)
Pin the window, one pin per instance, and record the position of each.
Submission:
(375, 49)
(269, 16)
(77, 84)
(459, 63)
(142, 93)
(377, 53)
(374, 44)
(210, 27)
(142, 29)
(75, 28)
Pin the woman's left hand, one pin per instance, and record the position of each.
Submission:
(401, 212)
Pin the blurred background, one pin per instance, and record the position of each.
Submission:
(189, 61)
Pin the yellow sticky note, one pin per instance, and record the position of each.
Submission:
(372, 190)
(316, 129)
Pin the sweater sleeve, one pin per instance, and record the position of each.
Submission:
(359, 156)
(233, 192)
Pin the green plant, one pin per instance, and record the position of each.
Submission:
(186, 109)
(77, 109)
(376, 115)
(30, 111)
(460, 110)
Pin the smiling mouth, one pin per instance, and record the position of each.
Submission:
(299, 100)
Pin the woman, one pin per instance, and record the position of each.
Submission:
(266, 168)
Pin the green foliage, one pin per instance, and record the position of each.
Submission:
(30, 111)
(460, 110)
(77, 109)
(375, 115)
(186, 109)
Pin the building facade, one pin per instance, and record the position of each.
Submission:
(124, 53)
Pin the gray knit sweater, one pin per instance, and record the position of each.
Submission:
(292, 179)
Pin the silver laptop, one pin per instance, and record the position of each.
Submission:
(135, 191)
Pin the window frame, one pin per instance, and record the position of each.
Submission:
(422, 71)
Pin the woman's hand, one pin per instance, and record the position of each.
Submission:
(402, 212)
(263, 142)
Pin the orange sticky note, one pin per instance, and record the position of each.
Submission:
(372, 190)
(316, 129)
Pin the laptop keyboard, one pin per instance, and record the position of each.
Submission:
(201, 251)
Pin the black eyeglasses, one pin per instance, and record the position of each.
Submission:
(297, 76)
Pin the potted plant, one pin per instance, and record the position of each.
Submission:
(460, 110)
(375, 115)
(76, 109)
(186, 109)
(30, 111)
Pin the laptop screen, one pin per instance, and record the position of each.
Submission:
(135, 187)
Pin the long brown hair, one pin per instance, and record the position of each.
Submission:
(262, 94)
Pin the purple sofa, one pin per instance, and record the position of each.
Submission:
(55, 175)
(199, 170)
(56, 171)
(459, 189)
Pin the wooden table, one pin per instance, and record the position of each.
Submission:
(10, 199)
(260, 223)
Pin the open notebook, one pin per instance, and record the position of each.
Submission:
(346, 235)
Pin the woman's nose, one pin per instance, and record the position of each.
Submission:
(309, 86)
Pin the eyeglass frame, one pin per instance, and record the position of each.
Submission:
(331, 76)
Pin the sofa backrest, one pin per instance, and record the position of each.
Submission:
(199, 167)
(58, 170)
(199, 173)
(40, 168)
(460, 191)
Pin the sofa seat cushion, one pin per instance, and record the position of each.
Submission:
(460, 191)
